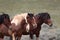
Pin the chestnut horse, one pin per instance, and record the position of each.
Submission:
(40, 18)
(22, 23)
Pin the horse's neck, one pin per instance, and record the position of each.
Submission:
(2, 25)
(5, 25)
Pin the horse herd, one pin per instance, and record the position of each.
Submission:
(23, 24)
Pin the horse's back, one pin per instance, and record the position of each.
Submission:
(19, 17)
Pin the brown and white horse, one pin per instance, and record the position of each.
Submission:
(22, 23)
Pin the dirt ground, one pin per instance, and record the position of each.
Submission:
(46, 33)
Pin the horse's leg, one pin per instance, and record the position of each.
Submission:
(31, 35)
(37, 36)
(10, 38)
(19, 35)
(18, 38)
(13, 37)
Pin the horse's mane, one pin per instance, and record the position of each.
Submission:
(44, 15)
(6, 16)
(2, 16)
(1, 19)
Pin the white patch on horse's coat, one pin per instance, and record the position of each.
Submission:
(15, 22)
(28, 28)
(24, 15)
(26, 20)
(17, 19)
(13, 37)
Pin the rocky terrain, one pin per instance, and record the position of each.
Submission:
(46, 33)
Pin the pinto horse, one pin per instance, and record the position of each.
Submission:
(22, 23)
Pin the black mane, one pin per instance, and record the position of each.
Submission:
(1, 19)
(2, 16)
(44, 15)
(5, 16)
(30, 14)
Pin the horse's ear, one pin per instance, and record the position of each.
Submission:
(30, 14)
(6, 16)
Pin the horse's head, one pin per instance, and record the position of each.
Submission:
(31, 21)
(6, 19)
(45, 17)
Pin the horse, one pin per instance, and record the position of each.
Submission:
(40, 18)
(21, 23)
(4, 25)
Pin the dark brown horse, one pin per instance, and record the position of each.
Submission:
(4, 25)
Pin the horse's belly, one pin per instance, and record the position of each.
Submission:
(25, 33)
